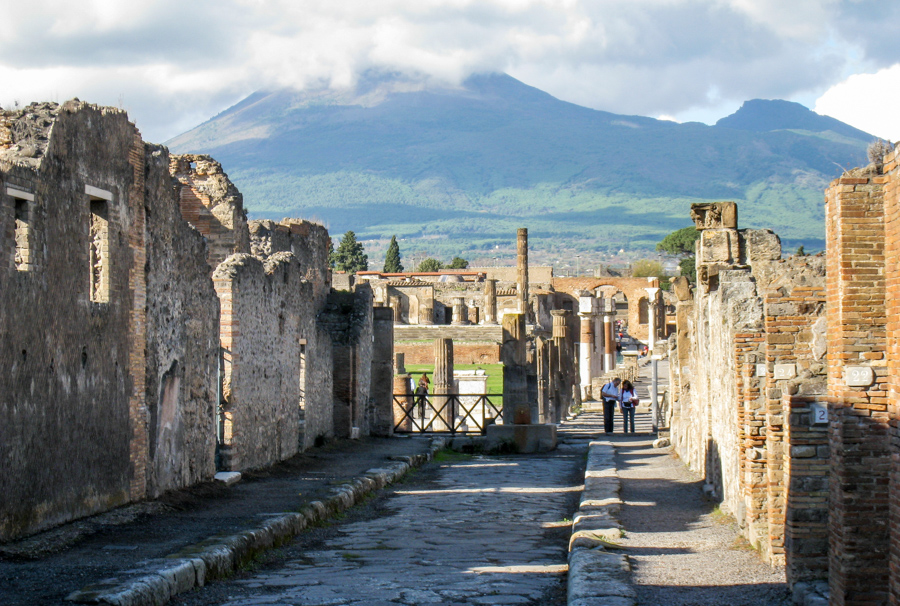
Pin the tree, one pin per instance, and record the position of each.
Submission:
(458, 263)
(680, 242)
(647, 267)
(688, 267)
(800, 252)
(331, 254)
(392, 263)
(430, 264)
(350, 255)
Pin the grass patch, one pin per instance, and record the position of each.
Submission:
(447, 455)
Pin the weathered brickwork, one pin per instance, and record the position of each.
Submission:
(891, 170)
(212, 205)
(463, 353)
(859, 429)
(747, 361)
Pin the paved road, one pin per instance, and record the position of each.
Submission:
(469, 530)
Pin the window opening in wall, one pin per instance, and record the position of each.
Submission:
(24, 255)
(99, 251)
(643, 311)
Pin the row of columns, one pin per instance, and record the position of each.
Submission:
(597, 348)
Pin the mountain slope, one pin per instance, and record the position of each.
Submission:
(462, 167)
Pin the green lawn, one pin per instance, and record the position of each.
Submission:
(494, 373)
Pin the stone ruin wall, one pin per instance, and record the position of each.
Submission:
(211, 204)
(110, 323)
(747, 372)
(182, 340)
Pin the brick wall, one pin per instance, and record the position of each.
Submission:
(858, 435)
(463, 353)
(892, 304)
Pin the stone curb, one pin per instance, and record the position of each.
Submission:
(155, 582)
(599, 574)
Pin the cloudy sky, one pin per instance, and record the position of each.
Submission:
(173, 64)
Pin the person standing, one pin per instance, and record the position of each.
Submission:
(611, 395)
(628, 402)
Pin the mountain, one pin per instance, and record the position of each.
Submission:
(456, 170)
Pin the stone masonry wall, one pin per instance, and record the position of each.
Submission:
(463, 353)
(891, 170)
(262, 305)
(182, 340)
(211, 204)
(71, 367)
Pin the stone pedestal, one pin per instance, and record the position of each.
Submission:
(526, 438)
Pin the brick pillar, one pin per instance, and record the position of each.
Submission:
(522, 270)
(892, 292)
(609, 357)
(490, 301)
(858, 433)
(515, 379)
(443, 383)
(402, 402)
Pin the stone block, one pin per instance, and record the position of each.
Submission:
(717, 246)
(761, 245)
(527, 438)
(714, 215)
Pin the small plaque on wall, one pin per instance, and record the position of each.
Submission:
(760, 370)
(859, 376)
(785, 371)
(819, 414)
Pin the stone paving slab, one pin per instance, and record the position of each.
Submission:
(157, 581)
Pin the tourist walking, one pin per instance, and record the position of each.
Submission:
(611, 395)
(628, 401)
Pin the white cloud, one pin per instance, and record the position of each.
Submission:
(866, 101)
(177, 62)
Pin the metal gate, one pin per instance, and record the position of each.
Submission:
(446, 413)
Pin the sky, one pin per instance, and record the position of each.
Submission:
(174, 64)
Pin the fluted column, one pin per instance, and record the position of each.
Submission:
(587, 311)
(460, 317)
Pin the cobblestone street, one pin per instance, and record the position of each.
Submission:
(464, 530)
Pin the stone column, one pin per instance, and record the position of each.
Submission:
(443, 384)
(522, 270)
(586, 312)
(562, 365)
(515, 378)
(426, 312)
(542, 353)
(609, 327)
(652, 310)
(382, 378)
(398, 313)
(490, 301)
(459, 312)
(399, 364)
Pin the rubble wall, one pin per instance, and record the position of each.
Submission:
(182, 340)
(261, 308)
(891, 170)
(73, 437)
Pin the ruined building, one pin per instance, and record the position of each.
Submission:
(148, 329)
(785, 387)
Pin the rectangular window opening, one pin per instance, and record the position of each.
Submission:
(99, 251)
(24, 255)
